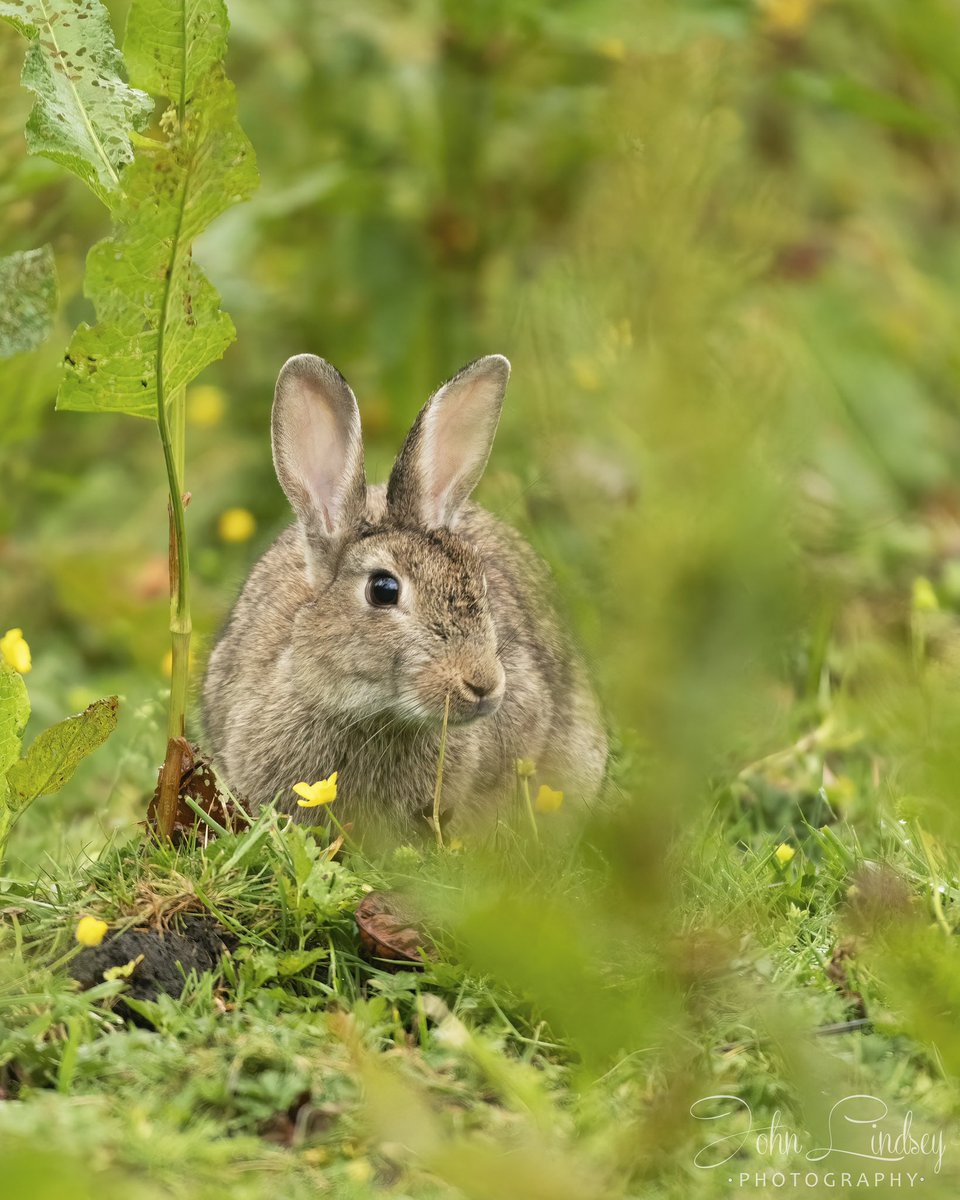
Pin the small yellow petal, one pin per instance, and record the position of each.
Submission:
(236, 525)
(784, 853)
(91, 931)
(548, 800)
(125, 971)
(15, 651)
(205, 406)
(324, 791)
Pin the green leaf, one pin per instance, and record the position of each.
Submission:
(170, 46)
(28, 288)
(159, 319)
(295, 961)
(14, 714)
(84, 110)
(59, 750)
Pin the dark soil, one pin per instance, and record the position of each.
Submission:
(168, 957)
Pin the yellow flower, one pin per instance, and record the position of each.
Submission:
(237, 525)
(205, 406)
(787, 16)
(526, 767)
(125, 971)
(585, 373)
(924, 597)
(15, 651)
(783, 853)
(547, 800)
(90, 931)
(314, 794)
(360, 1170)
(613, 48)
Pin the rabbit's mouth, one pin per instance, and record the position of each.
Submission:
(464, 698)
(478, 701)
(472, 707)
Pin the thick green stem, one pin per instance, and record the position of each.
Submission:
(170, 421)
(171, 425)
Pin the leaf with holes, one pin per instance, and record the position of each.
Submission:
(84, 110)
(58, 751)
(28, 284)
(159, 319)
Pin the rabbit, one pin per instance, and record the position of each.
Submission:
(384, 607)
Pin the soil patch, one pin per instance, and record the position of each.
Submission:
(165, 957)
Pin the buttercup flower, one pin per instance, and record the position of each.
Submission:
(783, 853)
(547, 800)
(924, 597)
(613, 48)
(205, 406)
(236, 525)
(787, 16)
(15, 651)
(90, 931)
(324, 791)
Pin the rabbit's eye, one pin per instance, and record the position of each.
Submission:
(383, 589)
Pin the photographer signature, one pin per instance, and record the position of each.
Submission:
(857, 1126)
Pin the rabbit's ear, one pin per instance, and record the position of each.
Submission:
(318, 450)
(446, 450)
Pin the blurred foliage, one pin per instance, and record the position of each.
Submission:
(720, 242)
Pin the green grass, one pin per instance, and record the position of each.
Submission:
(546, 1035)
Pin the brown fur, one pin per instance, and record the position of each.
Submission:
(308, 678)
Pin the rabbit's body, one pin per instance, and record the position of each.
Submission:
(313, 675)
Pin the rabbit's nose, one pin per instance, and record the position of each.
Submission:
(478, 689)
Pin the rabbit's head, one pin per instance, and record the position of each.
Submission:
(397, 621)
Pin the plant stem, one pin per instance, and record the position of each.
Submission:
(170, 422)
(528, 804)
(437, 828)
(181, 625)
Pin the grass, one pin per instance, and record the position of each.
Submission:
(304, 1068)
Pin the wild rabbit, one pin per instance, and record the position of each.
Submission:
(382, 605)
